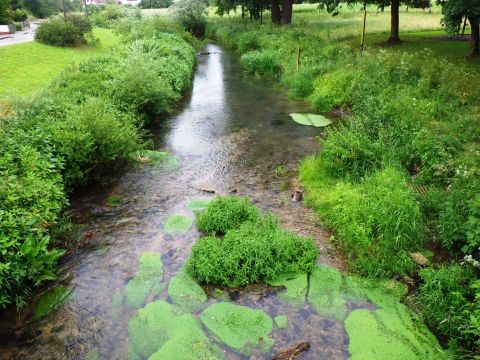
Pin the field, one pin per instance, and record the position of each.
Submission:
(28, 67)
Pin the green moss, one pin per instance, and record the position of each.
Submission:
(147, 281)
(185, 292)
(391, 333)
(51, 300)
(198, 204)
(281, 321)
(177, 224)
(162, 331)
(117, 304)
(113, 200)
(221, 294)
(296, 285)
(158, 158)
(242, 329)
(325, 293)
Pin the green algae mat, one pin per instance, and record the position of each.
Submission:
(161, 331)
(244, 330)
(177, 224)
(160, 159)
(198, 204)
(185, 292)
(147, 281)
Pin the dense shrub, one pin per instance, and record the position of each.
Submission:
(261, 62)
(58, 32)
(226, 213)
(249, 252)
(191, 15)
(86, 125)
(450, 302)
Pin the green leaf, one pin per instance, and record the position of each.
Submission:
(311, 119)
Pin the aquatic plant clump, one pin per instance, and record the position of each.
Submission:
(185, 292)
(310, 119)
(177, 224)
(147, 281)
(257, 251)
(198, 204)
(158, 158)
(226, 213)
(244, 330)
(281, 321)
(51, 300)
(162, 331)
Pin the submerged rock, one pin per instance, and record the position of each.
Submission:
(147, 281)
(325, 293)
(185, 292)
(244, 330)
(296, 285)
(51, 300)
(162, 331)
(177, 224)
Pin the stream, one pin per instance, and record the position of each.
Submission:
(231, 134)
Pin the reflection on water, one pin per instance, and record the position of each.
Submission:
(231, 135)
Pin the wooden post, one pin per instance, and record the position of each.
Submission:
(362, 41)
(298, 57)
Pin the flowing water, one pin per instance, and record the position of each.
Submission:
(231, 134)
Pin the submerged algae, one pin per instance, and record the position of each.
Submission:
(243, 329)
(177, 224)
(296, 285)
(51, 300)
(325, 293)
(198, 204)
(162, 331)
(281, 321)
(185, 291)
(147, 281)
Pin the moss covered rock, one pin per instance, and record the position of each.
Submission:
(51, 300)
(296, 288)
(147, 281)
(177, 224)
(185, 292)
(392, 333)
(326, 293)
(162, 331)
(244, 330)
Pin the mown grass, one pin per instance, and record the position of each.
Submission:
(26, 68)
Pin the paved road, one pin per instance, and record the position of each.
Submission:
(19, 37)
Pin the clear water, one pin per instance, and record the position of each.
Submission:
(231, 134)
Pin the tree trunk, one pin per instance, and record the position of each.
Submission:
(287, 12)
(275, 11)
(394, 22)
(475, 45)
(243, 12)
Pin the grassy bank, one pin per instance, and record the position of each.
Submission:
(400, 174)
(82, 127)
(28, 67)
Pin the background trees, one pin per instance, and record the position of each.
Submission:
(455, 11)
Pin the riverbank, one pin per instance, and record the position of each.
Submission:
(84, 126)
(399, 174)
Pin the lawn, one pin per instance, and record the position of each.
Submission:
(26, 68)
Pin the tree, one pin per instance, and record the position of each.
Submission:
(454, 11)
(333, 6)
(4, 13)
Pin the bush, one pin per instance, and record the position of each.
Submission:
(250, 252)
(18, 15)
(261, 62)
(449, 299)
(107, 15)
(191, 15)
(226, 213)
(58, 32)
(155, 4)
